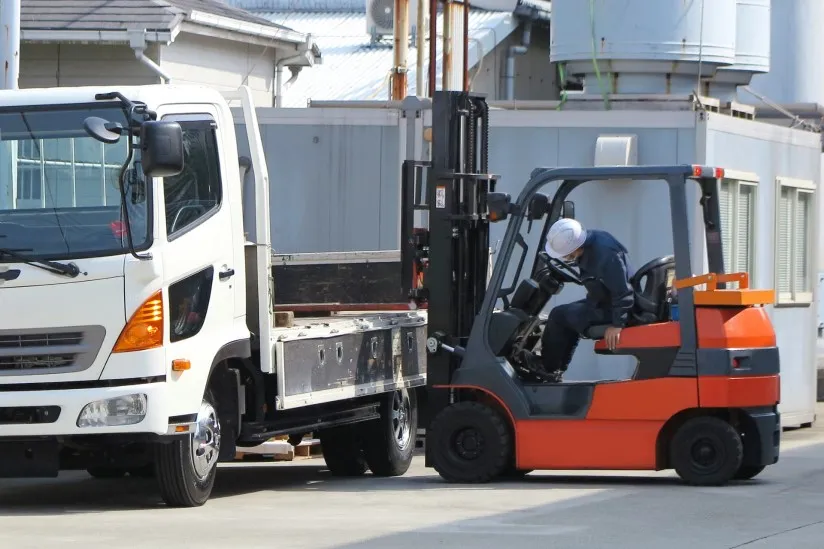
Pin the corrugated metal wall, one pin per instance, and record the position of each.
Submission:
(335, 178)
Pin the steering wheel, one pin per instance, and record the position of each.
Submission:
(563, 270)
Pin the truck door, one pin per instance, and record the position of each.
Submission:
(198, 256)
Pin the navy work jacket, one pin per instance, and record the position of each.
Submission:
(605, 259)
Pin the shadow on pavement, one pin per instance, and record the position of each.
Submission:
(77, 492)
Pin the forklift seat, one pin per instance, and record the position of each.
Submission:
(651, 300)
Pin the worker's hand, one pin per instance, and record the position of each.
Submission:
(612, 336)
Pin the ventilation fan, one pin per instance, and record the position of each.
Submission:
(380, 17)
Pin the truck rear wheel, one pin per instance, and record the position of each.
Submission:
(389, 442)
(342, 449)
(185, 469)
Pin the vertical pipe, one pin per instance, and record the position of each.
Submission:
(433, 37)
(420, 43)
(400, 49)
(10, 54)
(466, 45)
(10, 58)
(446, 73)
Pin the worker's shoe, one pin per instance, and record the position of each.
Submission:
(555, 377)
(534, 368)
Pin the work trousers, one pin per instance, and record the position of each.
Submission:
(564, 328)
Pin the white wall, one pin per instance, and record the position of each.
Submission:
(222, 64)
(60, 65)
(190, 59)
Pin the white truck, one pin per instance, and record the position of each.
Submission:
(137, 333)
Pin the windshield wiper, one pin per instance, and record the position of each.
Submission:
(68, 269)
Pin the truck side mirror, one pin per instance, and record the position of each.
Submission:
(538, 207)
(498, 205)
(569, 210)
(161, 148)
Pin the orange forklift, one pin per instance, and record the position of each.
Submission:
(704, 396)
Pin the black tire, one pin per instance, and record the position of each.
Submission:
(748, 472)
(706, 451)
(389, 442)
(457, 432)
(342, 449)
(185, 469)
(107, 472)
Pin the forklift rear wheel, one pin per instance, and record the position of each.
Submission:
(706, 451)
(342, 449)
(471, 443)
(389, 442)
(748, 472)
(185, 469)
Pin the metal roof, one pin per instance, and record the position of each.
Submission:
(353, 68)
(154, 16)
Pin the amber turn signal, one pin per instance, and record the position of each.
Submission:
(181, 365)
(145, 329)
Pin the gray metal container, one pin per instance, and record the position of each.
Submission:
(643, 46)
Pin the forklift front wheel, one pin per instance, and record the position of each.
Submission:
(706, 451)
(471, 443)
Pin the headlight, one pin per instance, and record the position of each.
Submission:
(112, 412)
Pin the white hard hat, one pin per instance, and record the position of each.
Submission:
(564, 237)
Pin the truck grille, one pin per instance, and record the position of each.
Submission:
(56, 350)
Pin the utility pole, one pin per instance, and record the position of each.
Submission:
(10, 53)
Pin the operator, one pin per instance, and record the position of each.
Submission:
(610, 296)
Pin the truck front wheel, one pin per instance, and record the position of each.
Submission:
(185, 469)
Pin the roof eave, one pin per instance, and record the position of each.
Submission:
(119, 36)
(245, 27)
(227, 34)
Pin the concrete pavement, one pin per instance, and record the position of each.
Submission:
(299, 506)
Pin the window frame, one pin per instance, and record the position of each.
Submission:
(208, 122)
(795, 297)
(738, 178)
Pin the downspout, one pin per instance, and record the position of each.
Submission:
(305, 51)
(138, 52)
(137, 41)
(519, 49)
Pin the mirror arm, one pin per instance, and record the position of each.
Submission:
(123, 202)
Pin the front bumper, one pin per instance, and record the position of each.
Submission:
(48, 413)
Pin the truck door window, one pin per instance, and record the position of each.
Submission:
(194, 195)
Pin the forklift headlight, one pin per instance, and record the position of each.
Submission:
(114, 412)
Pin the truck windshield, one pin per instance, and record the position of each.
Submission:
(59, 191)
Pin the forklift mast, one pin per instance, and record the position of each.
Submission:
(445, 262)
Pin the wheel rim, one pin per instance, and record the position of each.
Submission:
(205, 441)
(469, 444)
(706, 454)
(402, 419)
